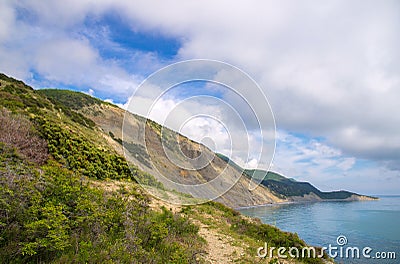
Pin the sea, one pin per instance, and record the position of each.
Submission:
(373, 227)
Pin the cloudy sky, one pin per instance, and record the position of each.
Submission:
(330, 70)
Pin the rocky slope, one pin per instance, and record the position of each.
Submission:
(153, 160)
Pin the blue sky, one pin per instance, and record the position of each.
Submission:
(333, 84)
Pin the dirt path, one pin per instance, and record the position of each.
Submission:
(219, 246)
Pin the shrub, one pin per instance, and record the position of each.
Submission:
(53, 215)
(80, 155)
(16, 131)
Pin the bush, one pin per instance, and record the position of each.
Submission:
(80, 155)
(53, 215)
(16, 131)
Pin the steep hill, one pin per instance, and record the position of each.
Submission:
(67, 195)
(152, 157)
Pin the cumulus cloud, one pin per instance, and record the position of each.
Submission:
(331, 70)
(7, 15)
(44, 39)
(327, 68)
(310, 160)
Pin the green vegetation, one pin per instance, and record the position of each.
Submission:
(70, 99)
(292, 188)
(155, 126)
(50, 210)
(111, 134)
(49, 214)
(80, 155)
(15, 95)
(261, 174)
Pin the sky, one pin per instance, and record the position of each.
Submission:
(330, 70)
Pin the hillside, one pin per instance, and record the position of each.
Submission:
(152, 159)
(67, 194)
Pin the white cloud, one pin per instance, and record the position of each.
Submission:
(7, 15)
(346, 164)
(90, 92)
(302, 157)
(328, 169)
(324, 67)
(66, 59)
(330, 69)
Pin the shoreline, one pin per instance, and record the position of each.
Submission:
(361, 198)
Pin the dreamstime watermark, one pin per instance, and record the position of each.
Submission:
(339, 250)
(219, 105)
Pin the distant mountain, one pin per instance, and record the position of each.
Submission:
(290, 189)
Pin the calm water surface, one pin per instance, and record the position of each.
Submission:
(375, 224)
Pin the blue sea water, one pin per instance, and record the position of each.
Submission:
(374, 224)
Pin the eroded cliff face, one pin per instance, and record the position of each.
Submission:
(158, 153)
(171, 157)
(312, 197)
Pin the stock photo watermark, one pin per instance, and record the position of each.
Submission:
(339, 250)
(212, 102)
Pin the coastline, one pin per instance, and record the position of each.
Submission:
(312, 199)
